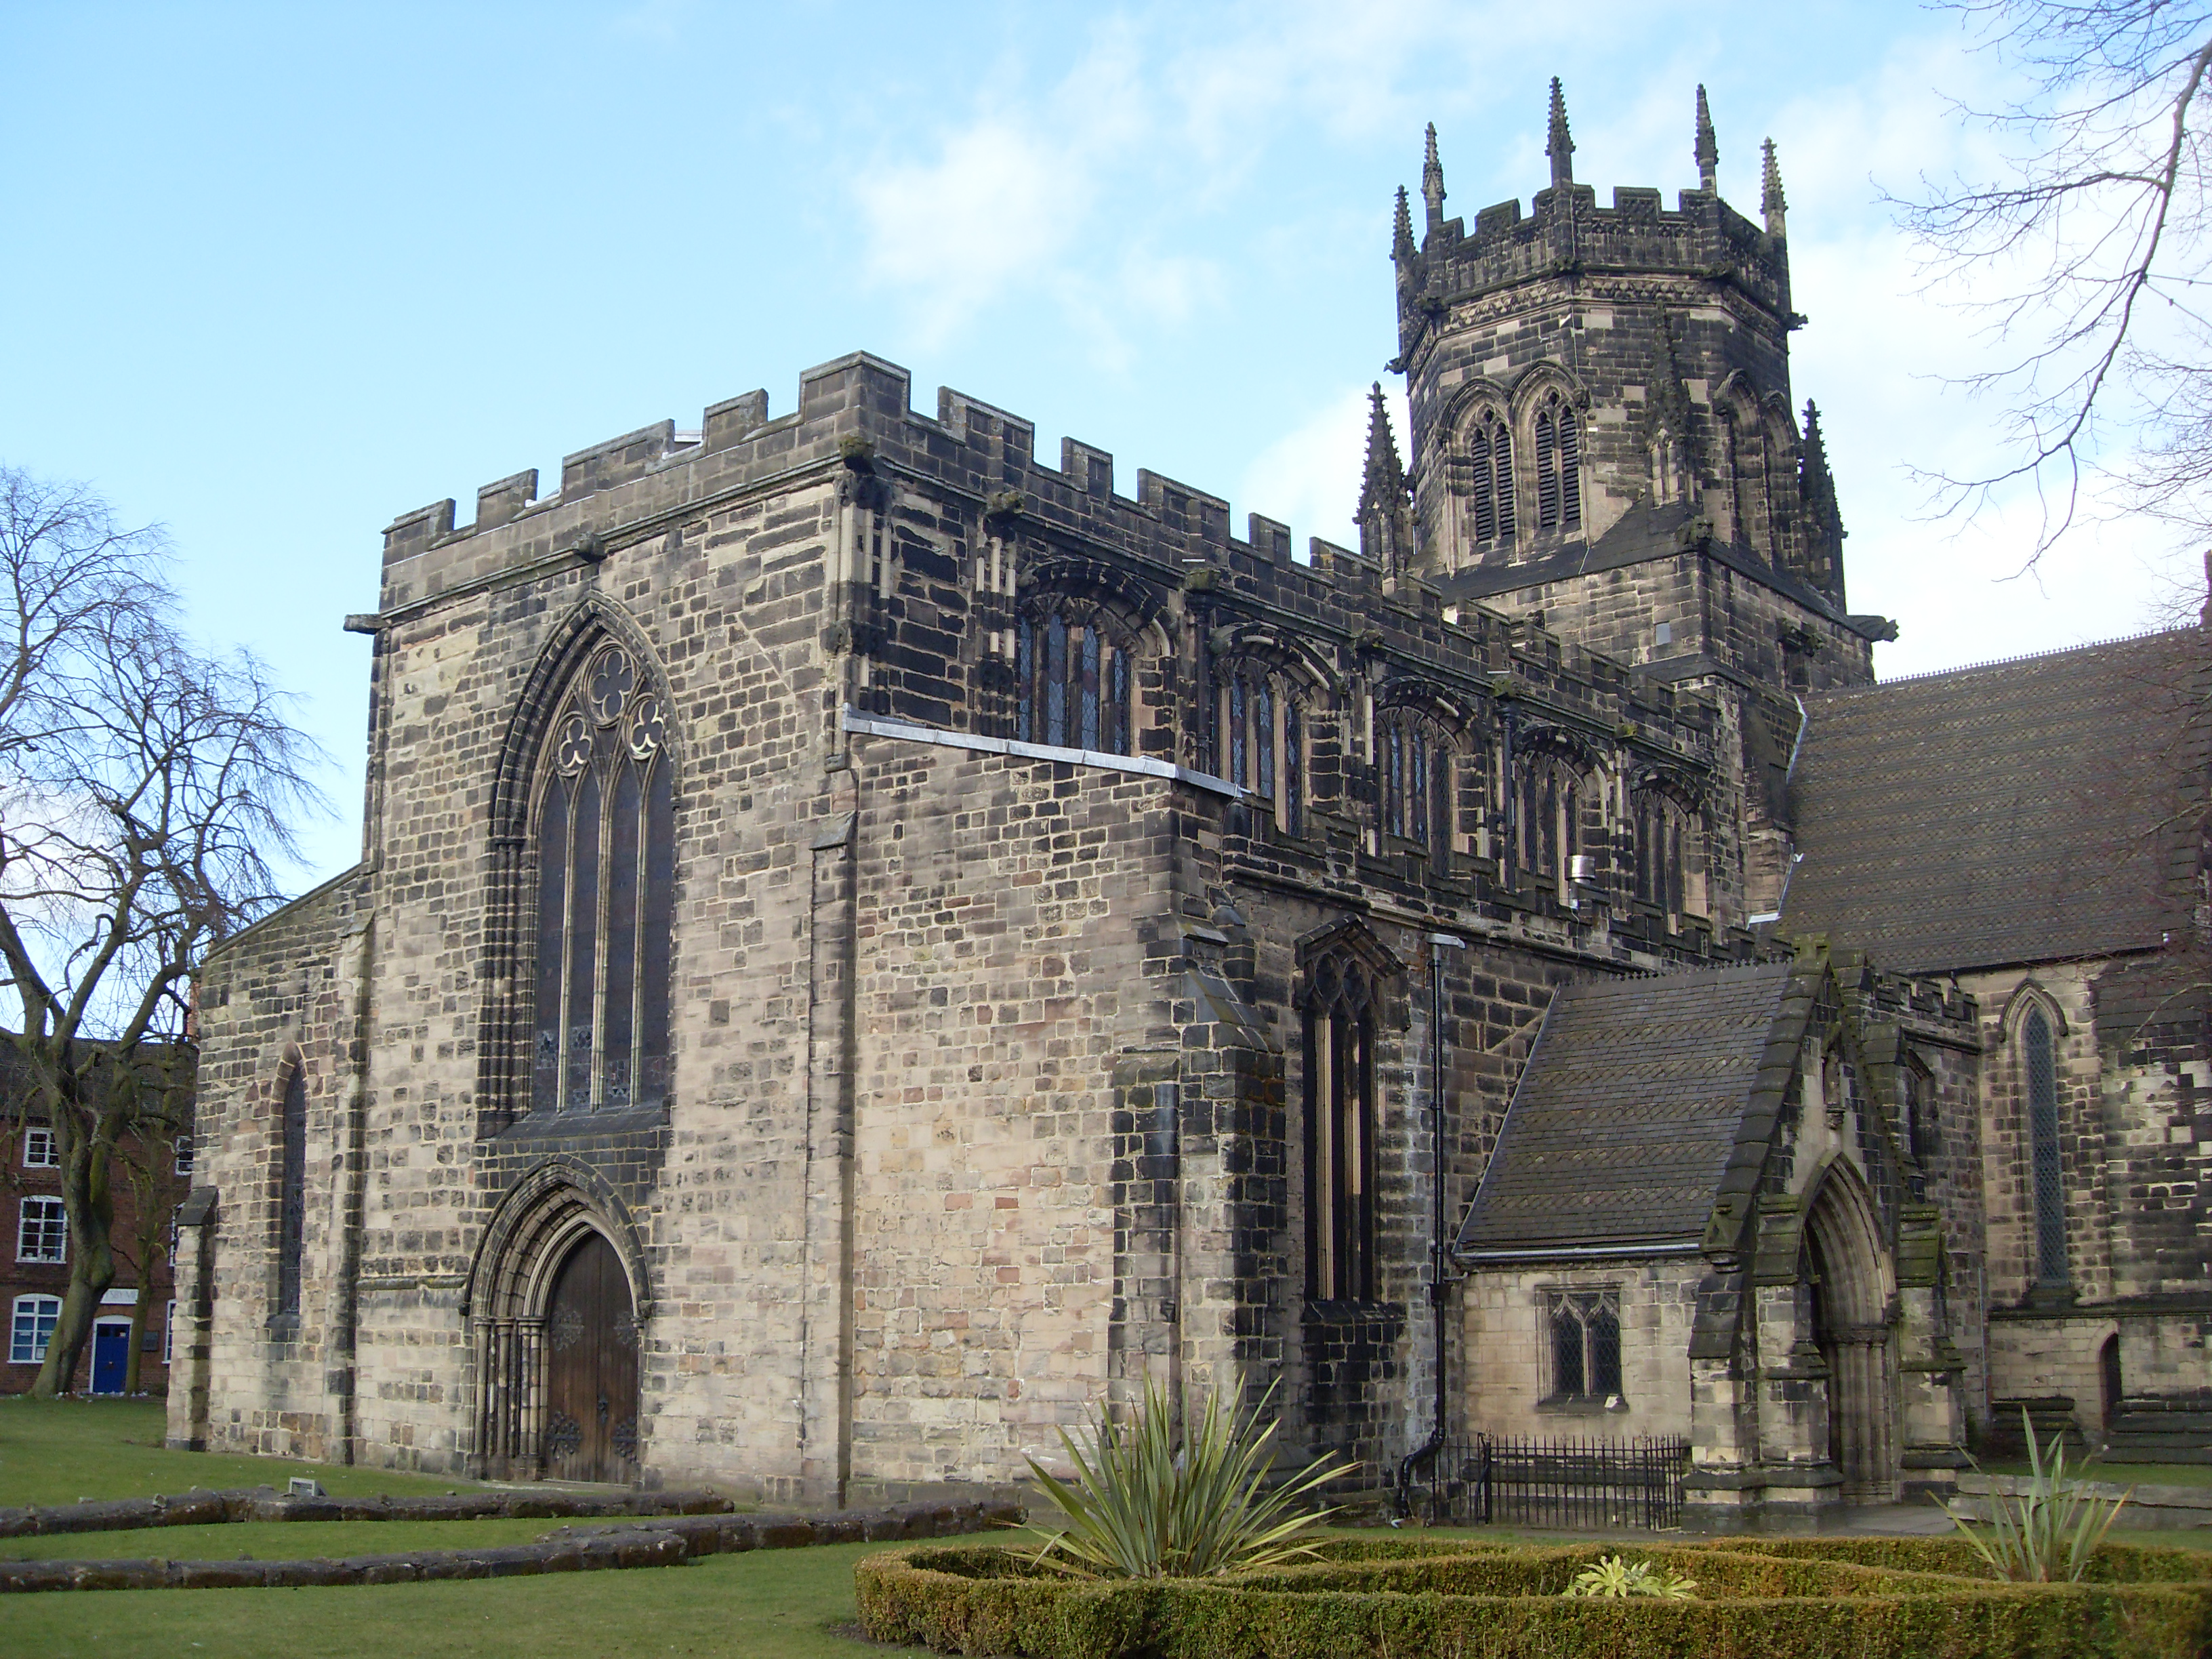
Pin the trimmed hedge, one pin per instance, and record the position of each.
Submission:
(1790, 1600)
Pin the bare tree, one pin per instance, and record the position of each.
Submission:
(2095, 235)
(147, 791)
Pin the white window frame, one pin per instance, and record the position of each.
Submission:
(27, 1316)
(48, 1210)
(169, 1335)
(38, 1149)
(185, 1154)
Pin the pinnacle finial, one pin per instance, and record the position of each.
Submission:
(1401, 230)
(1384, 533)
(1771, 201)
(1708, 152)
(1433, 181)
(1559, 146)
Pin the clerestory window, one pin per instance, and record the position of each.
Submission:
(1547, 810)
(1666, 856)
(1074, 685)
(606, 876)
(1416, 783)
(1258, 740)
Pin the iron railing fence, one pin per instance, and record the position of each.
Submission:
(1533, 1480)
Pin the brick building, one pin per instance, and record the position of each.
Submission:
(35, 1250)
(869, 944)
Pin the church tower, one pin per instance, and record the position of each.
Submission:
(1603, 431)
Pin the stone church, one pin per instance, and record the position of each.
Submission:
(870, 944)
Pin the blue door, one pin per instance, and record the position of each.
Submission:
(111, 1356)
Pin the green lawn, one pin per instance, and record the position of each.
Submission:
(56, 1452)
(2120, 1474)
(769, 1604)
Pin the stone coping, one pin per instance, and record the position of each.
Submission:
(2169, 1506)
(664, 1541)
(200, 1508)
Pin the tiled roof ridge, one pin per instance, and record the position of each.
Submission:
(2008, 662)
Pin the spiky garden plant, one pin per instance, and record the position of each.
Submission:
(1151, 1501)
(1615, 1578)
(2046, 1532)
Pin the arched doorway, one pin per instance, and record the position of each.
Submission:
(557, 1299)
(590, 1368)
(1842, 1263)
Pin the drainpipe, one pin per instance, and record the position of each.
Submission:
(1438, 1277)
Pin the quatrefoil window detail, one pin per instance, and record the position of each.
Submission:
(614, 677)
(646, 729)
(573, 747)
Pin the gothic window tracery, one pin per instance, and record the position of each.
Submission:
(1340, 1129)
(1558, 465)
(1415, 767)
(1073, 682)
(1666, 856)
(1548, 820)
(605, 844)
(1585, 1329)
(1259, 738)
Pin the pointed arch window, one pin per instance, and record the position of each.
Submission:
(2039, 1064)
(1490, 479)
(1072, 684)
(606, 864)
(1558, 465)
(1341, 1130)
(292, 1191)
(1416, 784)
(1259, 738)
(1666, 856)
(1547, 814)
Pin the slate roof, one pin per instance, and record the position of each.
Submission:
(1627, 1112)
(2008, 813)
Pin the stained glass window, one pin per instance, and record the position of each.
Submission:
(2043, 1138)
(1340, 1162)
(606, 867)
(1072, 689)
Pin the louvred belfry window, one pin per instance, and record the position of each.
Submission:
(1073, 686)
(1558, 466)
(1490, 479)
(606, 864)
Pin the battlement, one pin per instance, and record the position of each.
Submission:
(855, 412)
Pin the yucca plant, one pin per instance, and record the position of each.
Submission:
(1149, 1502)
(1615, 1578)
(2047, 1532)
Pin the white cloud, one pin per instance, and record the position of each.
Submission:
(1309, 477)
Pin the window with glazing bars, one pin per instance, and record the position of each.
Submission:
(1416, 784)
(1073, 686)
(2041, 1065)
(1558, 466)
(1340, 1162)
(1258, 739)
(1545, 826)
(1659, 867)
(1585, 1344)
(42, 1231)
(606, 879)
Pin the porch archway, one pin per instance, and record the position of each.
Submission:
(1844, 1263)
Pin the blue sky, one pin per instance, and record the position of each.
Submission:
(281, 273)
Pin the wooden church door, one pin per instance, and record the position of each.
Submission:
(590, 1365)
